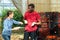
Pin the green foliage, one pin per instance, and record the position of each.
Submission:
(17, 16)
(4, 14)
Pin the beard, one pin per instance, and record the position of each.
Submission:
(31, 11)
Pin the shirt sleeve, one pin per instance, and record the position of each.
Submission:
(5, 25)
(38, 17)
(25, 16)
(16, 22)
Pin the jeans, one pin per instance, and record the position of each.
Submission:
(6, 37)
(30, 34)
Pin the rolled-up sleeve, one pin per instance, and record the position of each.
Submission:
(16, 22)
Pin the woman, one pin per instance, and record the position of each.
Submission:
(7, 24)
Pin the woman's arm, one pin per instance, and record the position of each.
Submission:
(6, 25)
(17, 22)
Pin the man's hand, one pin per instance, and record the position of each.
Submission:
(20, 22)
(33, 23)
(39, 23)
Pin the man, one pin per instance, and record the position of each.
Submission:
(32, 19)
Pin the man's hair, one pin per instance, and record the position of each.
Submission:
(32, 5)
(9, 12)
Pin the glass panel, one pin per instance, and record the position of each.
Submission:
(6, 1)
(6, 4)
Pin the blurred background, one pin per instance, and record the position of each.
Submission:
(50, 17)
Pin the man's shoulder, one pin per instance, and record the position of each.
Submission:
(26, 12)
(36, 11)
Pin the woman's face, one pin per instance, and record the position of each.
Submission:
(11, 15)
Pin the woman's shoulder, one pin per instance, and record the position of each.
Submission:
(6, 20)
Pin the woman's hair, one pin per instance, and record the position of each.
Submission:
(9, 12)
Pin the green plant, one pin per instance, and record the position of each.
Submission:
(18, 17)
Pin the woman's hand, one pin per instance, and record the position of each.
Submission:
(20, 22)
(16, 28)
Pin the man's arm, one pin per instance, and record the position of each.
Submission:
(39, 22)
(25, 16)
(38, 19)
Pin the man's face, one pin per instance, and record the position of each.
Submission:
(30, 9)
(11, 15)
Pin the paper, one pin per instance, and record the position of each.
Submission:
(25, 21)
(33, 23)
